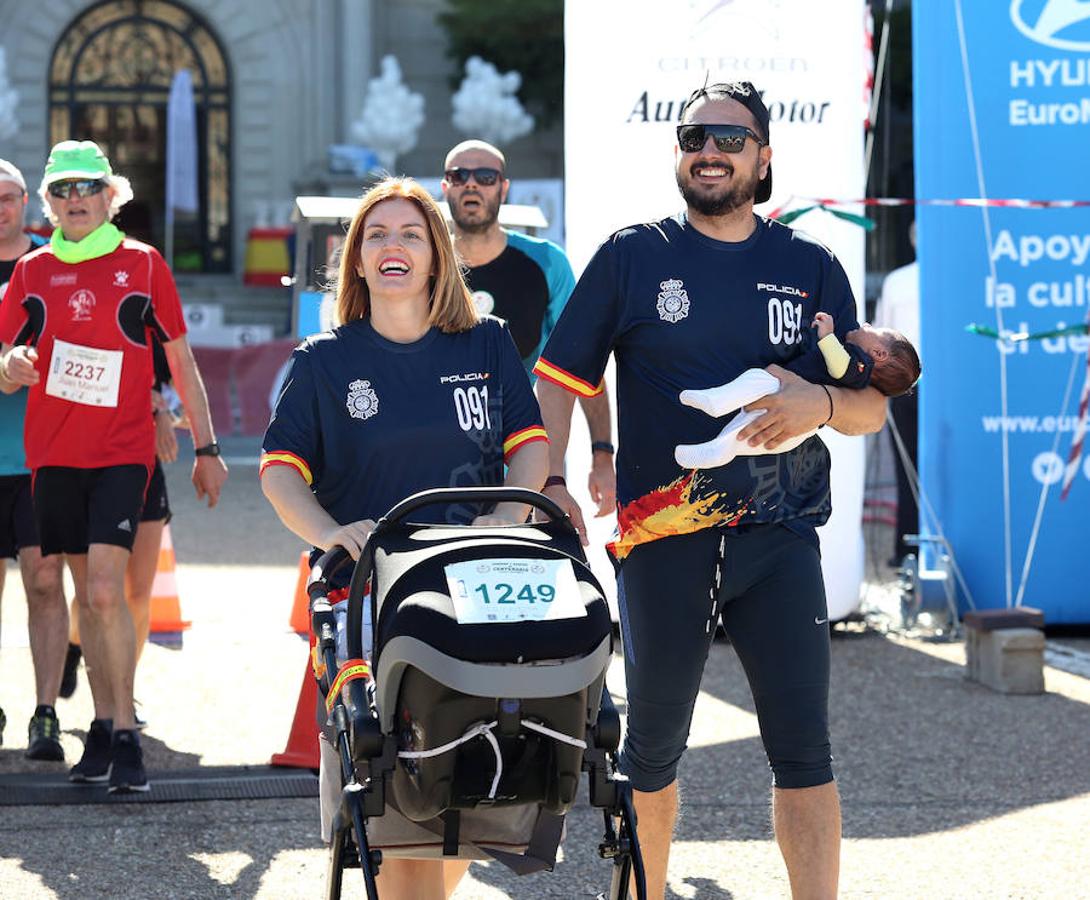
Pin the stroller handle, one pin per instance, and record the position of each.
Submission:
(397, 514)
(336, 557)
(328, 564)
(469, 495)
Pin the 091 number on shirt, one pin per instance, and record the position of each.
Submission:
(784, 321)
(471, 405)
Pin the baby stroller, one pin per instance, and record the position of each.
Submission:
(487, 687)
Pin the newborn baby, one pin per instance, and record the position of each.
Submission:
(880, 357)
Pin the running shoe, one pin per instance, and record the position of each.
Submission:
(44, 735)
(3, 722)
(138, 723)
(94, 765)
(71, 671)
(127, 774)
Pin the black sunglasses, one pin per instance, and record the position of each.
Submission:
(728, 138)
(84, 188)
(483, 175)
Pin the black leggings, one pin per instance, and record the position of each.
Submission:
(766, 584)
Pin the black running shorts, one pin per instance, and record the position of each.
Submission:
(17, 526)
(156, 505)
(765, 584)
(79, 507)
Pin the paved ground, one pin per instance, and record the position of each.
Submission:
(949, 790)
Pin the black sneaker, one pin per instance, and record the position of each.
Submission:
(44, 736)
(138, 723)
(94, 765)
(71, 671)
(127, 773)
(3, 722)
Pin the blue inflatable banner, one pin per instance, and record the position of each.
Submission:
(1002, 112)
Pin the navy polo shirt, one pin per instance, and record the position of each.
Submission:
(681, 311)
(367, 421)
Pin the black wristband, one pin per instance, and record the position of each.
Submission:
(830, 396)
(602, 447)
(212, 449)
(554, 480)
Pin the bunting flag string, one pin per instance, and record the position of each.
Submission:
(829, 204)
(862, 221)
(1016, 336)
(1010, 202)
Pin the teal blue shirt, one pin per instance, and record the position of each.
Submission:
(12, 412)
(13, 406)
(527, 286)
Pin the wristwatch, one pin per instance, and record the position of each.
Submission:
(212, 449)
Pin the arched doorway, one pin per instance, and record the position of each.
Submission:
(109, 82)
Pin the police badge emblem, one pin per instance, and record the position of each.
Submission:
(362, 400)
(673, 302)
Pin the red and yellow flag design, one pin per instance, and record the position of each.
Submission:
(283, 458)
(545, 369)
(677, 508)
(521, 438)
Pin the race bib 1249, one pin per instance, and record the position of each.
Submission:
(513, 590)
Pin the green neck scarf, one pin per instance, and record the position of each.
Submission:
(103, 240)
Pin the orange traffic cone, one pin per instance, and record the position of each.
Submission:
(302, 750)
(299, 622)
(166, 613)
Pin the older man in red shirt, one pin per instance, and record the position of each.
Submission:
(75, 328)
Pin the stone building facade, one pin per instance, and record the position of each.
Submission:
(275, 82)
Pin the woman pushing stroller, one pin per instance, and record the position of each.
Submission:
(413, 390)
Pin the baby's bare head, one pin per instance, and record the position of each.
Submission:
(896, 362)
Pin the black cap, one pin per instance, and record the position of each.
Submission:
(745, 93)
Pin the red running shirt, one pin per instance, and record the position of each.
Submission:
(90, 323)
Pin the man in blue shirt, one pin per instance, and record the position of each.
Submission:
(47, 613)
(523, 280)
(689, 303)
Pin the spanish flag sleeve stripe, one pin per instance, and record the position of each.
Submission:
(284, 458)
(545, 369)
(520, 438)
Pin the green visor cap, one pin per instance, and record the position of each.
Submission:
(76, 159)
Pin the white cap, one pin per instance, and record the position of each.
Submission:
(9, 172)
